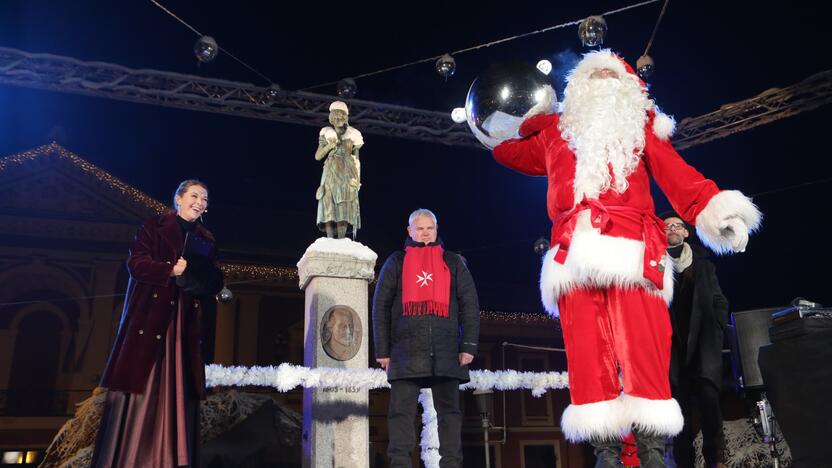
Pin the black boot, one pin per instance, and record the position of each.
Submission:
(650, 449)
(607, 453)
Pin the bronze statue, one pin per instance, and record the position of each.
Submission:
(338, 145)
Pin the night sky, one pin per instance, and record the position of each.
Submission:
(263, 174)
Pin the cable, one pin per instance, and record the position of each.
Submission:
(482, 46)
(240, 61)
(177, 18)
(3, 304)
(655, 28)
(791, 187)
(538, 348)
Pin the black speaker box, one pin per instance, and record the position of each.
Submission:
(798, 376)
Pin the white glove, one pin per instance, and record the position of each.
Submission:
(736, 231)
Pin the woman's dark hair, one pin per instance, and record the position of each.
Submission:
(185, 185)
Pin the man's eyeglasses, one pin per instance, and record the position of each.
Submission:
(674, 227)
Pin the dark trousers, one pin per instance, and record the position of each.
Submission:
(404, 395)
(698, 393)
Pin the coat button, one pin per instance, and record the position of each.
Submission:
(158, 337)
(172, 302)
(141, 332)
(652, 263)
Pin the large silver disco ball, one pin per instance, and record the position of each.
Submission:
(502, 97)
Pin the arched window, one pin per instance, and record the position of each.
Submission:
(35, 365)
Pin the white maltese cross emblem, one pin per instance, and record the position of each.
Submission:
(423, 279)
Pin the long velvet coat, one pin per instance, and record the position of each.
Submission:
(150, 306)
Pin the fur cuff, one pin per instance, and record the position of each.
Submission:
(599, 420)
(722, 206)
(663, 125)
(597, 260)
(655, 417)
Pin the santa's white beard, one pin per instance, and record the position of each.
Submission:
(603, 122)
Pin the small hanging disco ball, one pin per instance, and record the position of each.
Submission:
(541, 246)
(592, 31)
(225, 296)
(502, 97)
(206, 49)
(445, 66)
(346, 88)
(645, 67)
(272, 92)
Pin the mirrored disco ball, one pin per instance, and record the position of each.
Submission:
(505, 95)
(206, 49)
(225, 296)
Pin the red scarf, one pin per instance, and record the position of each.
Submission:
(426, 282)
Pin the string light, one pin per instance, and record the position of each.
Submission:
(58, 151)
(518, 318)
(482, 46)
(236, 273)
(240, 61)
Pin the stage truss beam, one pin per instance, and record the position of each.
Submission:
(68, 75)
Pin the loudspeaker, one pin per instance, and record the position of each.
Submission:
(798, 380)
(749, 330)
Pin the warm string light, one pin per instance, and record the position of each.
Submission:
(56, 150)
(519, 318)
(235, 273)
(243, 272)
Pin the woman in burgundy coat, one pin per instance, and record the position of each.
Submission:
(155, 374)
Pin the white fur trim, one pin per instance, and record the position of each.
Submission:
(596, 59)
(597, 260)
(663, 125)
(724, 205)
(656, 417)
(599, 420)
(350, 134)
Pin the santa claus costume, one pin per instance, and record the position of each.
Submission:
(607, 275)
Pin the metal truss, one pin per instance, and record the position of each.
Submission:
(68, 75)
(768, 106)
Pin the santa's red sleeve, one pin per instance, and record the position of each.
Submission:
(697, 200)
(527, 155)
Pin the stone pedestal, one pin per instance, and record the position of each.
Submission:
(335, 276)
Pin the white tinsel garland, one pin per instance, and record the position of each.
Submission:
(287, 376)
(430, 431)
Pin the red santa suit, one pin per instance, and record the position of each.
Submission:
(607, 275)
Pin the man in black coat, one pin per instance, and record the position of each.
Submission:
(426, 329)
(698, 315)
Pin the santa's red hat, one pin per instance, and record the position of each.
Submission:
(663, 125)
(604, 58)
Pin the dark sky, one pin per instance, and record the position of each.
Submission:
(263, 175)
